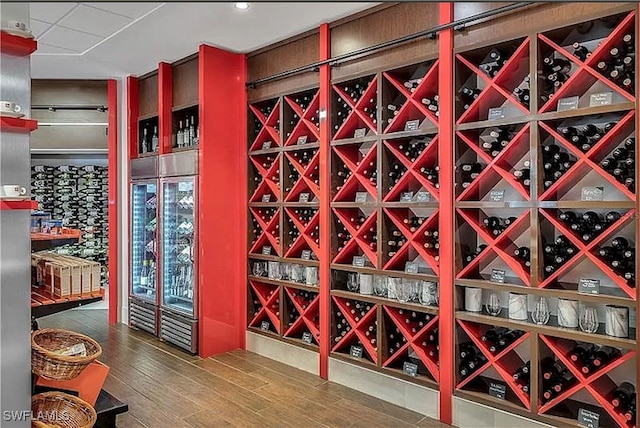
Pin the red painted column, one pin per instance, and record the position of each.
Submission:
(112, 98)
(325, 200)
(446, 161)
(222, 208)
(133, 111)
(165, 101)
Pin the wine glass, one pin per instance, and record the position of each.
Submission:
(541, 313)
(380, 286)
(258, 268)
(298, 274)
(353, 282)
(404, 290)
(589, 319)
(429, 293)
(287, 269)
(274, 270)
(492, 304)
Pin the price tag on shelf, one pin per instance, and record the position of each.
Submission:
(264, 325)
(266, 198)
(412, 125)
(589, 286)
(569, 103)
(498, 390)
(496, 195)
(361, 197)
(410, 369)
(307, 337)
(497, 113)
(266, 250)
(498, 275)
(588, 419)
(358, 261)
(591, 193)
(356, 352)
(306, 255)
(302, 139)
(423, 196)
(406, 196)
(411, 267)
(601, 99)
(360, 132)
(266, 145)
(304, 197)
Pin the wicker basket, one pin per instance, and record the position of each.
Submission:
(47, 363)
(60, 410)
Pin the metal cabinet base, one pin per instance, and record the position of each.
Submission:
(179, 330)
(143, 316)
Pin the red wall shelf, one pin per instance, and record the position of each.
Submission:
(13, 124)
(17, 45)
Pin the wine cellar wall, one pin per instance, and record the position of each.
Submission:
(544, 196)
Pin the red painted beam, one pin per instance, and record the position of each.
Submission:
(222, 248)
(325, 196)
(112, 96)
(133, 111)
(165, 101)
(447, 215)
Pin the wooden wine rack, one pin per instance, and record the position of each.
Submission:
(373, 112)
(281, 182)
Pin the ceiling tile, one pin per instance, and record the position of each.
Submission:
(130, 9)
(48, 49)
(70, 39)
(94, 21)
(50, 12)
(38, 27)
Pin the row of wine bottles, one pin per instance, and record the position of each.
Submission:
(620, 256)
(584, 137)
(589, 224)
(497, 225)
(621, 163)
(499, 139)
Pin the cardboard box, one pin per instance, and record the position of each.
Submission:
(65, 276)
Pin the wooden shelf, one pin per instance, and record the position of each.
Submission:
(586, 111)
(567, 333)
(44, 303)
(384, 301)
(284, 283)
(284, 260)
(26, 204)
(17, 124)
(16, 45)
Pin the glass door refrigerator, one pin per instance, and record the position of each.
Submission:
(179, 250)
(143, 269)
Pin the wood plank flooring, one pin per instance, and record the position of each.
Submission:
(165, 387)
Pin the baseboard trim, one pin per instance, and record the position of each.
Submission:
(469, 414)
(283, 352)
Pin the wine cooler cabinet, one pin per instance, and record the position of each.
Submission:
(143, 316)
(179, 331)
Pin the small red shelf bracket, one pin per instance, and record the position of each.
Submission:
(16, 45)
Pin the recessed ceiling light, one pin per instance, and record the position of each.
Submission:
(242, 6)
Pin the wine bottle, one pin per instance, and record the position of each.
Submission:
(622, 394)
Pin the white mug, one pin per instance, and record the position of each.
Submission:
(10, 107)
(13, 190)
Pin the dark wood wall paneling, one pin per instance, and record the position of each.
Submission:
(532, 19)
(385, 24)
(185, 83)
(282, 57)
(148, 95)
(66, 92)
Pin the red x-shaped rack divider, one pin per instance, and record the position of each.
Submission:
(585, 75)
(269, 131)
(496, 168)
(494, 243)
(415, 239)
(350, 156)
(586, 161)
(356, 234)
(266, 300)
(511, 74)
(412, 342)
(357, 328)
(505, 362)
(356, 116)
(587, 249)
(304, 127)
(304, 240)
(304, 182)
(413, 108)
(306, 315)
(265, 236)
(428, 157)
(267, 185)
